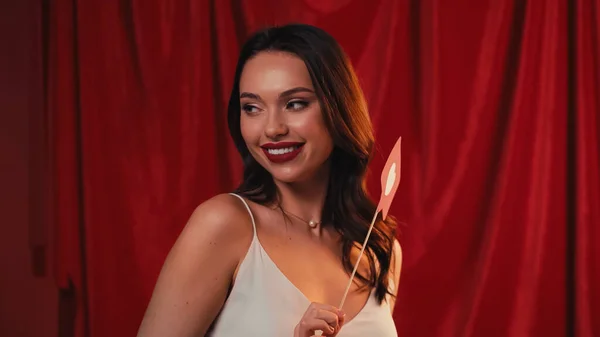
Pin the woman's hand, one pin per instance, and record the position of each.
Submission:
(323, 317)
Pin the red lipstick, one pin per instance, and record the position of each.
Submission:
(282, 152)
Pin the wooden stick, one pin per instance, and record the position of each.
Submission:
(358, 260)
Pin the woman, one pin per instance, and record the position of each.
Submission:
(273, 258)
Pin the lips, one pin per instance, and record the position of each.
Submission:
(282, 152)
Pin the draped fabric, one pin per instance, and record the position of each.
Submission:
(496, 101)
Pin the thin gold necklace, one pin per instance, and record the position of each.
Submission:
(311, 223)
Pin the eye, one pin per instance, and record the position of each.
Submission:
(250, 109)
(296, 105)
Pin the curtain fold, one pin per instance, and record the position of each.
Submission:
(496, 101)
(586, 167)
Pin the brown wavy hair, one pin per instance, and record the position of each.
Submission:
(348, 207)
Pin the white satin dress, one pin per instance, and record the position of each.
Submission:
(264, 303)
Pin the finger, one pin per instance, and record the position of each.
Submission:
(323, 311)
(330, 317)
(308, 327)
(342, 317)
(338, 328)
(341, 321)
(322, 306)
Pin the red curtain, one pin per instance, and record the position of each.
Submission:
(496, 101)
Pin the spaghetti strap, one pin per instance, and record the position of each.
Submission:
(249, 211)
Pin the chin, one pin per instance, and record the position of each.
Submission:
(286, 177)
(294, 173)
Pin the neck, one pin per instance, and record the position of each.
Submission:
(305, 199)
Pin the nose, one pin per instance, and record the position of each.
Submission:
(276, 126)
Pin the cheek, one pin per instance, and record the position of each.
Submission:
(249, 129)
(317, 130)
(310, 124)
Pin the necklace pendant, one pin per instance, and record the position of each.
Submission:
(312, 224)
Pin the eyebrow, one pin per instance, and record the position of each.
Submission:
(283, 94)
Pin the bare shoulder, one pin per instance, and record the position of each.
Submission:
(221, 222)
(221, 215)
(396, 270)
(193, 283)
(220, 209)
(396, 259)
(397, 252)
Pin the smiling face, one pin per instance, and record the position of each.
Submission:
(281, 120)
